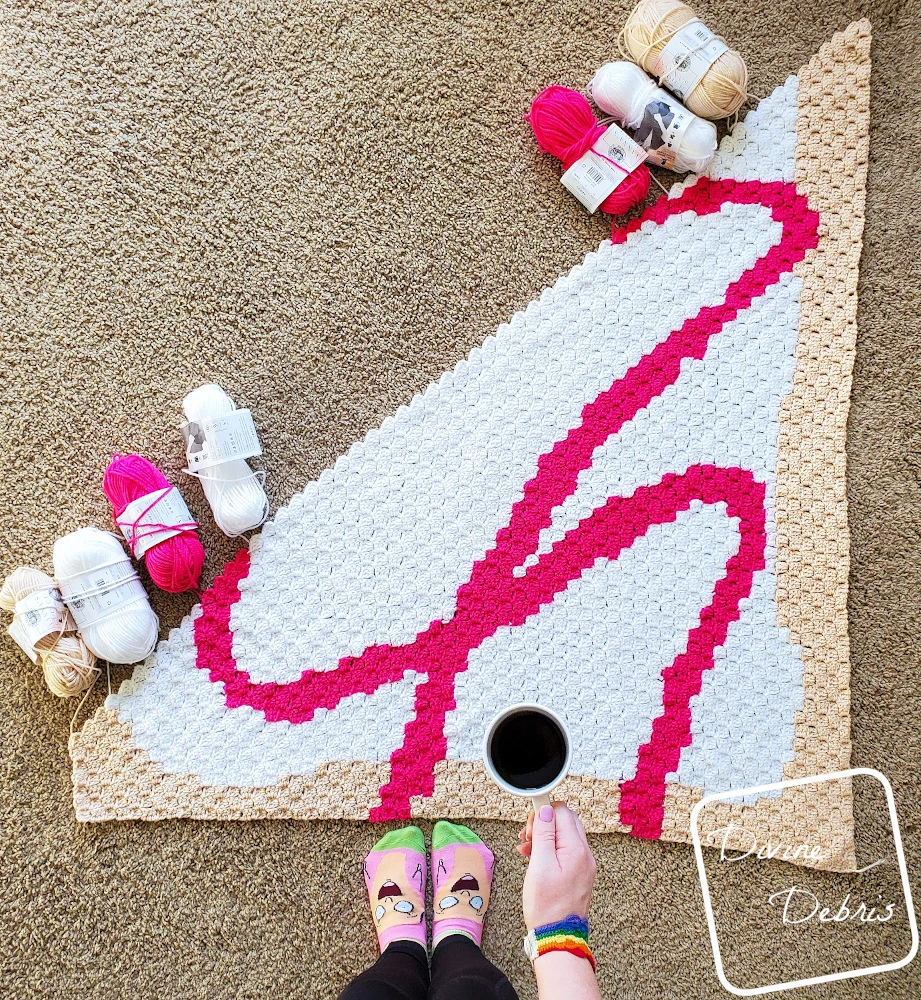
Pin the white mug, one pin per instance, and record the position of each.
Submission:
(539, 795)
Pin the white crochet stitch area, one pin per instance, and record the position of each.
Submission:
(376, 549)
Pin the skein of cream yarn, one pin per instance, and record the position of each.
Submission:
(623, 90)
(68, 666)
(233, 490)
(652, 25)
(105, 596)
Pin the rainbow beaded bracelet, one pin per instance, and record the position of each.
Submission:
(569, 935)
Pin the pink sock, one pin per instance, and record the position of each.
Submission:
(395, 879)
(462, 878)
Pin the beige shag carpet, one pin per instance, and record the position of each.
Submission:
(323, 207)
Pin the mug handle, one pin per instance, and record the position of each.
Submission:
(540, 800)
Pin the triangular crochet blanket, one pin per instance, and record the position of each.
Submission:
(628, 504)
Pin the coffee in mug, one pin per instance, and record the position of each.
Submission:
(527, 751)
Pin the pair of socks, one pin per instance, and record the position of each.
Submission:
(395, 876)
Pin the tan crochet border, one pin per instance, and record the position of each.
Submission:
(115, 779)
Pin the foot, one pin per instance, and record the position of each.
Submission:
(395, 878)
(462, 878)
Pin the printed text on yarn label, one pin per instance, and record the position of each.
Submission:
(216, 440)
(153, 518)
(601, 169)
(98, 593)
(661, 128)
(682, 63)
(40, 614)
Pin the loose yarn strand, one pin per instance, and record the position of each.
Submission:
(82, 702)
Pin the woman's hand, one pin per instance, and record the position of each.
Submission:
(561, 869)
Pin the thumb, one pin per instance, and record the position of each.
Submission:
(543, 835)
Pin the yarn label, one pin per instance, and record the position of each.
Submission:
(153, 518)
(19, 637)
(603, 168)
(215, 440)
(681, 65)
(41, 614)
(98, 593)
(661, 129)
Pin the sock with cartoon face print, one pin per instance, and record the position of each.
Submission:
(462, 878)
(395, 878)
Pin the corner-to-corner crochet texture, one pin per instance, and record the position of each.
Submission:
(628, 505)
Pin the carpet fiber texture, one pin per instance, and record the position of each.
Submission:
(323, 209)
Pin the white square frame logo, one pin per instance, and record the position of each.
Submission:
(814, 980)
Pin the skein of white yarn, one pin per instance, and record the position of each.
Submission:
(674, 137)
(233, 490)
(105, 596)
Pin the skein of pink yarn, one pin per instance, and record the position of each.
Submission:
(175, 563)
(565, 127)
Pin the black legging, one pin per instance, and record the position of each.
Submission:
(460, 971)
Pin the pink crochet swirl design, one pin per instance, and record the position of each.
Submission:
(494, 597)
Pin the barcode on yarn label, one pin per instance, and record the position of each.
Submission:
(96, 594)
(41, 614)
(153, 518)
(594, 175)
(661, 128)
(19, 637)
(689, 54)
(216, 440)
(601, 169)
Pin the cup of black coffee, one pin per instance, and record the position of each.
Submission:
(527, 751)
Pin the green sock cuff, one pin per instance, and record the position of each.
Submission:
(409, 838)
(439, 936)
(446, 834)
